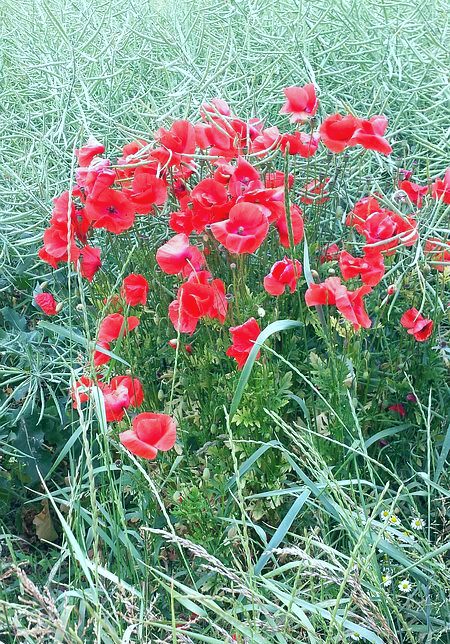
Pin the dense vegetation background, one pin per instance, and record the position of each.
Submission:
(120, 70)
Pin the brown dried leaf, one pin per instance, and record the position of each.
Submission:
(45, 530)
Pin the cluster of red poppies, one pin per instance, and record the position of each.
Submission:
(234, 208)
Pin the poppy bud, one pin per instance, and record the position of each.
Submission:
(177, 497)
(331, 271)
(315, 274)
(161, 394)
(233, 266)
(261, 312)
(365, 375)
(173, 343)
(206, 474)
(427, 269)
(44, 285)
(391, 289)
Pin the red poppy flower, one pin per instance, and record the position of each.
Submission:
(58, 246)
(224, 171)
(305, 145)
(265, 142)
(270, 200)
(283, 273)
(132, 155)
(414, 191)
(180, 318)
(243, 338)
(245, 177)
(315, 192)
(275, 179)
(210, 202)
(63, 211)
(114, 325)
(178, 256)
(110, 210)
(329, 253)
(361, 210)
(297, 227)
(100, 357)
(79, 392)
(244, 231)
(180, 140)
(336, 131)
(246, 131)
(349, 303)
(219, 136)
(89, 151)
(66, 222)
(48, 259)
(370, 267)
(440, 189)
(89, 262)
(369, 134)
(391, 228)
(96, 177)
(398, 409)
(150, 433)
(116, 400)
(133, 386)
(219, 307)
(438, 252)
(147, 190)
(47, 303)
(217, 106)
(418, 326)
(194, 301)
(182, 221)
(134, 289)
(301, 103)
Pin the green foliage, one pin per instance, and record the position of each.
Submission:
(300, 452)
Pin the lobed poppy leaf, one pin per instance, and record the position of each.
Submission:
(275, 327)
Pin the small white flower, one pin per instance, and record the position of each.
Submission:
(417, 523)
(385, 515)
(405, 586)
(354, 636)
(261, 312)
(394, 520)
(387, 580)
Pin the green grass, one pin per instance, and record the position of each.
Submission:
(278, 537)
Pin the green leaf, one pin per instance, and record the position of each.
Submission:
(442, 456)
(386, 432)
(282, 529)
(78, 339)
(247, 464)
